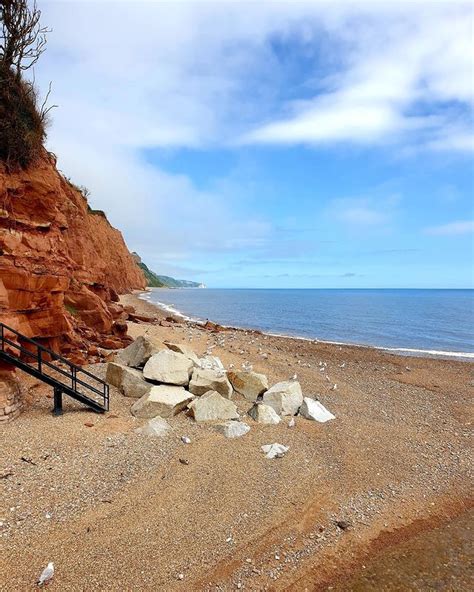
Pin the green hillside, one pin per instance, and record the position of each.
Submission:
(163, 281)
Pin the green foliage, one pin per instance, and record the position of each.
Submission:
(162, 281)
(71, 309)
(22, 124)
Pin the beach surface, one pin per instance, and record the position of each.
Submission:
(378, 499)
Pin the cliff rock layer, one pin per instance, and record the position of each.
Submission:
(61, 264)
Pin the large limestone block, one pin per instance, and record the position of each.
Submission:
(129, 381)
(162, 400)
(213, 407)
(169, 367)
(139, 352)
(249, 384)
(264, 414)
(181, 348)
(315, 410)
(285, 397)
(203, 381)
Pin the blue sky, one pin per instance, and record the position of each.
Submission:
(273, 144)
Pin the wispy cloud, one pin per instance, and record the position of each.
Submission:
(408, 79)
(452, 228)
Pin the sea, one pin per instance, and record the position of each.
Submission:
(416, 322)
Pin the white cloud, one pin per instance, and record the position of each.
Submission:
(361, 213)
(406, 65)
(131, 76)
(452, 228)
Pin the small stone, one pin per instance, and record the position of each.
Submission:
(185, 440)
(343, 524)
(233, 429)
(274, 450)
(157, 427)
(184, 461)
(311, 409)
(89, 424)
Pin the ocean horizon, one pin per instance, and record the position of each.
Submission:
(405, 320)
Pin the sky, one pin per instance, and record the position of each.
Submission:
(272, 144)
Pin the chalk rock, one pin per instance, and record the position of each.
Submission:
(162, 400)
(285, 397)
(157, 427)
(274, 450)
(212, 407)
(129, 381)
(203, 381)
(264, 414)
(169, 367)
(233, 429)
(139, 352)
(181, 348)
(314, 410)
(249, 384)
(211, 363)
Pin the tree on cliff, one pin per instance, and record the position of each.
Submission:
(22, 120)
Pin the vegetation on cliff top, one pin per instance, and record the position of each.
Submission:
(154, 280)
(22, 119)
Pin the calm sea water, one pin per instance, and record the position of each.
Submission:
(421, 320)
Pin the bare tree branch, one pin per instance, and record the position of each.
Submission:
(22, 38)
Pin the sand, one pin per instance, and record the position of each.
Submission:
(115, 510)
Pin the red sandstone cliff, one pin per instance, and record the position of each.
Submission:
(61, 265)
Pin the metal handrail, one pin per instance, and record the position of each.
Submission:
(40, 360)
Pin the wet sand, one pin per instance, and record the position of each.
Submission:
(126, 514)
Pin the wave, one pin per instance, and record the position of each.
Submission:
(398, 350)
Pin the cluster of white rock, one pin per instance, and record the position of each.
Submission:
(166, 381)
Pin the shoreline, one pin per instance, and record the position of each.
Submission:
(401, 351)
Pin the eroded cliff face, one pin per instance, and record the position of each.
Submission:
(61, 265)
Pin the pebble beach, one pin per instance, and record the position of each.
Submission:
(386, 483)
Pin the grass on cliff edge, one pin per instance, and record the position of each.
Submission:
(22, 124)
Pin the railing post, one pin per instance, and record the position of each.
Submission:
(58, 401)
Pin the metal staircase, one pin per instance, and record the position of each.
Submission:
(65, 378)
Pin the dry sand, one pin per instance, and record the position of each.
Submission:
(118, 511)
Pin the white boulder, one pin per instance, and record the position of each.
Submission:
(139, 352)
(169, 367)
(285, 397)
(182, 348)
(157, 427)
(314, 410)
(162, 400)
(249, 384)
(203, 381)
(213, 407)
(129, 381)
(233, 429)
(262, 413)
(274, 450)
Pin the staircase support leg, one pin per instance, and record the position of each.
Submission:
(58, 401)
